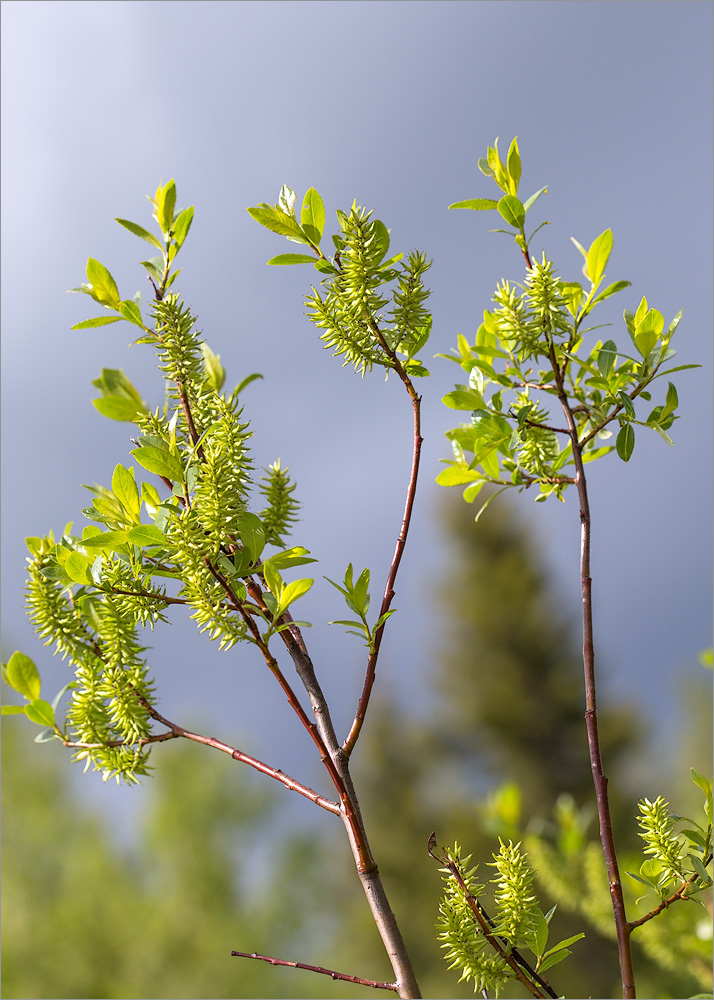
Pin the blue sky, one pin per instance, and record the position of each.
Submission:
(391, 104)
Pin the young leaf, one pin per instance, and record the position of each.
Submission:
(648, 330)
(277, 222)
(165, 204)
(126, 491)
(182, 224)
(312, 216)
(291, 258)
(671, 403)
(146, 534)
(117, 408)
(513, 166)
(131, 313)
(41, 712)
(160, 462)
(477, 204)
(598, 256)
(607, 355)
(625, 442)
(103, 285)
(140, 232)
(87, 324)
(291, 592)
(616, 286)
(533, 198)
(512, 210)
(22, 675)
(215, 372)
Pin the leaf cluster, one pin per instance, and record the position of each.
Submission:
(189, 527)
(532, 363)
(371, 307)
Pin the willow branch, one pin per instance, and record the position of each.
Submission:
(370, 673)
(244, 758)
(679, 894)
(373, 983)
(607, 838)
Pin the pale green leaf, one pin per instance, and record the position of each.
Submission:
(22, 675)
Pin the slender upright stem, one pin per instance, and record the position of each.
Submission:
(622, 926)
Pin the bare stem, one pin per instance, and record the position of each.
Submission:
(179, 731)
(373, 983)
(370, 673)
(622, 926)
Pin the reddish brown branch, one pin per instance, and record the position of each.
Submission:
(370, 673)
(679, 894)
(607, 838)
(373, 983)
(244, 758)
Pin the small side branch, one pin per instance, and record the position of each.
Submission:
(370, 673)
(179, 731)
(679, 894)
(375, 984)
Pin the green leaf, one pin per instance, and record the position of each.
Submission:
(598, 256)
(140, 232)
(700, 781)
(553, 959)
(182, 224)
(245, 382)
(477, 204)
(464, 399)
(165, 204)
(22, 675)
(485, 167)
(41, 712)
(273, 580)
(625, 442)
(291, 258)
(87, 324)
(252, 534)
(45, 736)
(116, 408)
(78, 568)
(113, 540)
(513, 165)
(671, 403)
(126, 491)
(296, 556)
(19, 709)
(131, 312)
(147, 534)
(290, 593)
(312, 216)
(103, 285)
(512, 210)
(607, 355)
(58, 697)
(457, 475)
(215, 372)
(616, 286)
(277, 222)
(533, 198)
(648, 331)
(160, 462)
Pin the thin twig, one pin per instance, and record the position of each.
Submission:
(244, 758)
(370, 673)
(373, 983)
(679, 894)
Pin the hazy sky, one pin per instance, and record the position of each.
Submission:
(390, 103)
